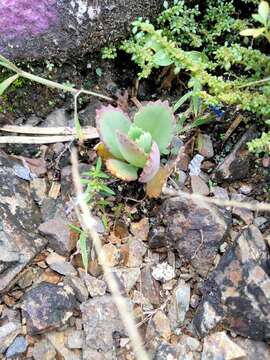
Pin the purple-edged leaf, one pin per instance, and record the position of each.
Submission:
(157, 118)
(122, 170)
(152, 165)
(130, 151)
(108, 120)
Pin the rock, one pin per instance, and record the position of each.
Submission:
(241, 213)
(166, 351)
(219, 346)
(44, 350)
(181, 178)
(19, 218)
(150, 288)
(59, 264)
(255, 350)
(245, 189)
(259, 221)
(105, 327)
(75, 339)
(59, 340)
(54, 28)
(127, 277)
(190, 343)
(237, 292)
(163, 272)
(140, 229)
(194, 300)
(58, 117)
(58, 234)
(236, 165)
(205, 145)
(179, 304)
(199, 186)
(136, 251)
(78, 287)
(158, 327)
(19, 346)
(94, 286)
(194, 229)
(39, 189)
(221, 193)
(8, 333)
(48, 306)
(112, 254)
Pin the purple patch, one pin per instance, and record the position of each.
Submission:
(22, 18)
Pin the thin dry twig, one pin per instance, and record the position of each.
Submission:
(262, 206)
(88, 224)
(58, 130)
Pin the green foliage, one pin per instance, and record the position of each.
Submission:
(109, 53)
(260, 145)
(136, 145)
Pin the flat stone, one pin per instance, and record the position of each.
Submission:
(245, 215)
(199, 186)
(59, 340)
(150, 288)
(19, 346)
(8, 333)
(58, 117)
(58, 234)
(158, 327)
(163, 272)
(236, 165)
(166, 351)
(219, 346)
(112, 254)
(237, 292)
(75, 339)
(94, 286)
(101, 320)
(19, 218)
(255, 350)
(48, 306)
(179, 304)
(195, 229)
(140, 229)
(44, 350)
(59, 264)
(127, 277)
(205, 145)
(78, 287)
(136, 251)
(60, 28)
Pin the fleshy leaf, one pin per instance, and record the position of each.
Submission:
(108, 120)
(154, 187)
(130, 150)
(122, 170)
(135, 132)
(145, 142)
(157, 119)
(152, 165)
(103, 152)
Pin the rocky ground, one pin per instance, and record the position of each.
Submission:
(196, 275)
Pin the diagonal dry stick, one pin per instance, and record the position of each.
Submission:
(88, 224)
(58, 130)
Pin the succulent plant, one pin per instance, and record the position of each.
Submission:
(138, 144)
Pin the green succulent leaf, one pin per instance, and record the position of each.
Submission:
(108, 120)
(152, 165)
(135, 132)
(157, 119)
(145, 142)
(122, 170)
(130, 150)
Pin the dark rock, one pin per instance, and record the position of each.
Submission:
(55, 28)
(19, 218)
(237, 292)
(59, 264)
(245, 215)
(18, 347)
(236, 165)
(78, 287)
(101, 321)
(58, 117)
(166, 351)
(48, 306)
(150, 288)
(194, 229)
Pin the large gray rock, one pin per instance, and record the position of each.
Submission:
(55, 28)
(19, 218)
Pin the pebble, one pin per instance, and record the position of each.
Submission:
(194, 301)
(112, 255)
(259, 221)
(43, 350)
(199, 186)
(78, 287)
(127, 277)
(163, 272)
(136, 251)
(59, 341)
(8, 333)
(150, 287)
(219, 346)
(182, 177)
(59, 264)
(245, 189)
(140, 229)
(75, 339)
(158, 326)
(94, 286)
(19, 346)
(179, 304)
(205, 145)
